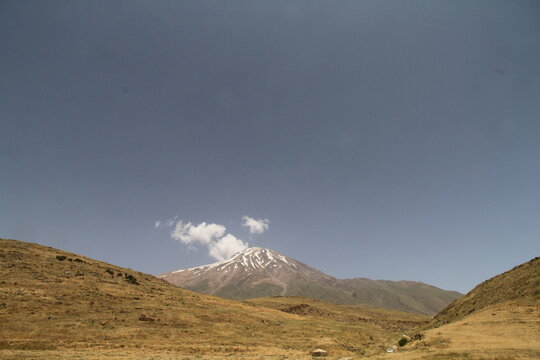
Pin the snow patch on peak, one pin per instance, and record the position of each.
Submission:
(253, 258)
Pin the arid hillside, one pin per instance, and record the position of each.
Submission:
(497, 332)
(497, 320)
(59, 305)
(520, 286)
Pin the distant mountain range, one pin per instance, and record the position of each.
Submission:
(257, 272)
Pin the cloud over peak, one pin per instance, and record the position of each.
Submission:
(226, 247)
(212, 236)
(256, 226)
(203, 233)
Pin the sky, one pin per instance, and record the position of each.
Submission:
(394, 140)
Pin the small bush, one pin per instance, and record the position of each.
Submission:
(404, 340)
(144, 317)
(61, 257)
(131, 279)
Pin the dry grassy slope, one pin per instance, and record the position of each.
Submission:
(503, 331)
(385, 319)
(51, 305)
(521, 285)
(497, 320)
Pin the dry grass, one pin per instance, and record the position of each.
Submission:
(521, 285)
(79, 308)
(386, 319)
(51, 307)
(500, 332)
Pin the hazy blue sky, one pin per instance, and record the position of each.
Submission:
(381, 139)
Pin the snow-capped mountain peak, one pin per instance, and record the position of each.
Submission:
(250, 259)
(252, 270)
(258, 272)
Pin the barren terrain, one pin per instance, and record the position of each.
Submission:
(59, 305)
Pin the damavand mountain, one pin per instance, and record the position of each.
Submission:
(257, 272)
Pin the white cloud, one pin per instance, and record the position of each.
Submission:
(165, 224)
(212, 236)
(203, 233)
(226, 247)
(255, 226)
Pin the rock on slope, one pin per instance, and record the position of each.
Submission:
(257, 272)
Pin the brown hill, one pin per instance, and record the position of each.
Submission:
(521, 285)
(343, 314)
(504, 331)
(497, 320)
(59, 305)
(257, 272)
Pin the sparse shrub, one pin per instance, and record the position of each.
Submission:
(78, 260)
(110, 272)
(61, 257)
(144, 317)
(131, 279)
(404, 340)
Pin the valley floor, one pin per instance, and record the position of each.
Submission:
(130, 355)
(502, 332)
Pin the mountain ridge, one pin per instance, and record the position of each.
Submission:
(258, 272)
